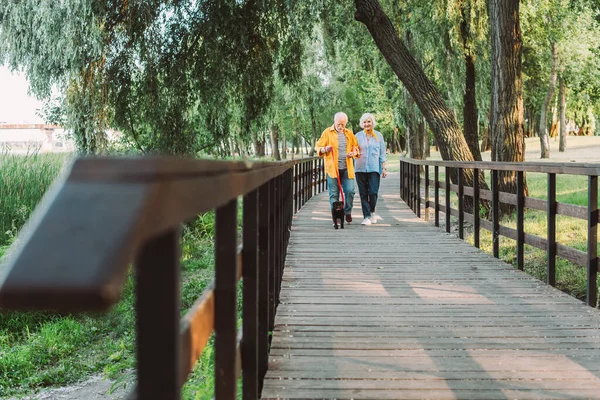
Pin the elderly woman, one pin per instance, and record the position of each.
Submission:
(370, 167)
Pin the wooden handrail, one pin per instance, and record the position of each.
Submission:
(411, 180)
(104, 213)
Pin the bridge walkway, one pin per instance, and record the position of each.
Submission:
(403, 310)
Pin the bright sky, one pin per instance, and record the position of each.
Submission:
(16, 106)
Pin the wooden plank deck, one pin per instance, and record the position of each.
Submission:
(402, 310)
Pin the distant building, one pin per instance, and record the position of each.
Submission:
(27, 138)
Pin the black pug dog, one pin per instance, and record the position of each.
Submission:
(337, 214)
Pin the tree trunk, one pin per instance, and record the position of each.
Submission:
(447, 133)
(506, 124)
(562, 144)
(439, 116)
(470, 102)
(543, 128)
(283, 146)
(275, 142)
(424, 135)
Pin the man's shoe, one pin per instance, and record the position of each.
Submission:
(366, 221)
(375, 218)
(348, 218)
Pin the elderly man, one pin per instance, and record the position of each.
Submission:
(339, 146)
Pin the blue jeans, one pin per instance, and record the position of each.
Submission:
(347, 186)
(368, 187)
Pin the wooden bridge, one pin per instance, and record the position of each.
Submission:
(404, 310)
(400, 309)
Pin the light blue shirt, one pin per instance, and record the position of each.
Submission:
(372, 153)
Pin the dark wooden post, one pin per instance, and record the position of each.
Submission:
(520, 222)
(295, 188)
(226, 301)
(407, 183)
(592, 251)
(447, 195)
(321, 175)
(461, 207)
(551, 234)
(436, 194)
(158, 317)
(263, 280)
(250, 295)
(418, 189)
(426, 193)
(476, 207)
(414, 188)
(495, 215)
(401, 186)
(272, 253)
(303, 183)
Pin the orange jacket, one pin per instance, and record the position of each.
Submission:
(329, 137)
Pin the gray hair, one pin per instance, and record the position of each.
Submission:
(365, 117)
(340, 115)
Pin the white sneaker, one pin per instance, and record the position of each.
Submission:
(375, 218)
(366, 221)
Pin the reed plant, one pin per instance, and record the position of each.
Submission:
(23, 181)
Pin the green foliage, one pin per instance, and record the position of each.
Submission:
(163, 72)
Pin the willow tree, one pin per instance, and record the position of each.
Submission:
(166, 73)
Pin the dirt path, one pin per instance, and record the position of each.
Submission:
(95, 388)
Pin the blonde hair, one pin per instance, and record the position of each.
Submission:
(365, 117)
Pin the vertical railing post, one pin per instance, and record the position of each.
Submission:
(295, 188)
(426, 193)
(520, 220)
(407, 183)
(476, 207)
(495, 215)
(263, 280)
(158, 317)
(273, 246)
(461, 204)
(415, 188)
(592, 245)
(282, 229)
(436, 194)
(272, 250)
(226, 301)
(402, 186)
(412, 187)
(551, 234)
(418, 189)
(304, 183)
(447, 198)
(250, 309)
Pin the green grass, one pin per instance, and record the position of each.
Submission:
(23, 181)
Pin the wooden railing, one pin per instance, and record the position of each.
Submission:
(107, 213)
(411, 183)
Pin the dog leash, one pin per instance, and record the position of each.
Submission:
(337, 174)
